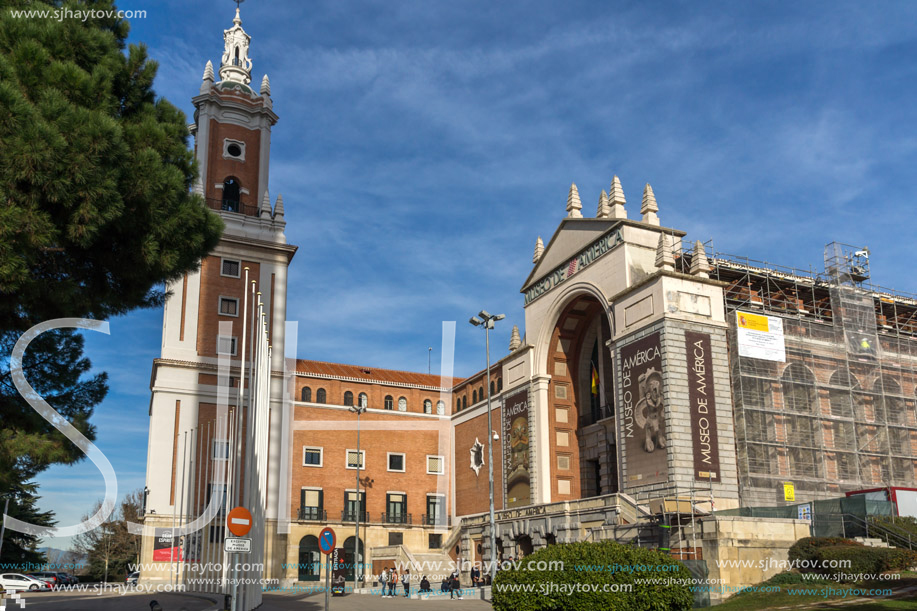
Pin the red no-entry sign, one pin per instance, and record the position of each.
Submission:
(239, 521)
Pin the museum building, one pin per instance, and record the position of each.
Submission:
(654, 375)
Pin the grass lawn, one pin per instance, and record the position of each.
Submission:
(768, 600)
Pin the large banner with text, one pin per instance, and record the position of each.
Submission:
(642, 415)
(516, 449)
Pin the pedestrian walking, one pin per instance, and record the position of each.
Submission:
(455, 585)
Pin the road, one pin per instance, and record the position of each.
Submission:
(115, 601)
(107, 601)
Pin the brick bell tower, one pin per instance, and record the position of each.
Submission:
(232, 139)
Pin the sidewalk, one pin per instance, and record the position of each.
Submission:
(357, 602)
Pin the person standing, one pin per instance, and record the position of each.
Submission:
(406, 582)
(392, 583)
(455, 585)
(383, 579)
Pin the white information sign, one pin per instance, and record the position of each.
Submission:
(760, 337)
(238, 546)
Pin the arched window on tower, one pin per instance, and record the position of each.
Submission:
(306, 394)
(493, 388)
(363, 400)
(427, 406)
(320, 396)
(235, 60)
(474, 397)
(499, 384)
(231, 191)
(389, 402)
(348, 398)
(464, 401)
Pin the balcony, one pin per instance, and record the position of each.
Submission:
(351, 516)
(396, 518)
(222, 205)
(436, 520)
(313, 513)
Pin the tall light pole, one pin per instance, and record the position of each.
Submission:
(357, 409)
(487, 321)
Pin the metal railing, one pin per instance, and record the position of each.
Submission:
(312, 513)
(849, 526)
(396, 518)
(351, 516)
(435, 520)
(225, 205)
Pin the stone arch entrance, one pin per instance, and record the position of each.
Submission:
(524, 545)
(310, 559)
(581, 402)
(353, 562)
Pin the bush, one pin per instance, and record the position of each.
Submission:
(804, 553)
(577, 584)
(790, 578)
(865, 560)
(900, 559)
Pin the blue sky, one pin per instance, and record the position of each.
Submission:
(424, 145)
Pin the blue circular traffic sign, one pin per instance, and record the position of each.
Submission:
(326, 540)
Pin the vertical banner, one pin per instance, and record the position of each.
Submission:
(339, 570)
(163, 548)
(517, 479)
(642, 419)
(703, 407)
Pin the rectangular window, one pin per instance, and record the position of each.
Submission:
(219, 491)
(311, 457)
(436, 541)
(230, 268)
(396, 462)
(229, 306)
(352, 459)
(436, 509)
(395, 538)
(350, 506)
(311, 501)
(220, 449)
(435, 465)
(226, 345)
(396, 507)
(217, 533)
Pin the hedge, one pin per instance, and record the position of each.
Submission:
(865, 560)
(804, 553)
(587, 567)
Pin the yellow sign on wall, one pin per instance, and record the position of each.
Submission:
(789, 491)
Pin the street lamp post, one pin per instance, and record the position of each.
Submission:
(357, 409)
(487, 321)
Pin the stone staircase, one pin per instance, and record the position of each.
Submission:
(871, 542)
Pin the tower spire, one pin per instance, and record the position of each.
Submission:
(539, 250)
(574, 205)
(235, 65)
(616, 200)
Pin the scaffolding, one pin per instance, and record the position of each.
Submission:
(839, 414)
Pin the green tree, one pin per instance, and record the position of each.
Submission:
(20, 549)
(96, 211)
(95, 173)
(111, 549)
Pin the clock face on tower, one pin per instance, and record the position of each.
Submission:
(402, 404)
